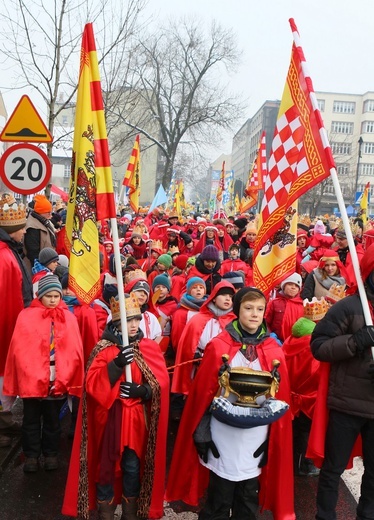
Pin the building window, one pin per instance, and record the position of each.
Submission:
(341, 148)
(329, 189)
(368, 127)
(368, 147)
(66, 190)
(321, 104)
(342, 169)
(344, 107)
(67, 171)
(369, 105)
(366, 169)
(341, 127)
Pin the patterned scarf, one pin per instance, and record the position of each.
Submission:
(154, 413)
(48, 225)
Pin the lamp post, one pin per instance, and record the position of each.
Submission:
(360, 142)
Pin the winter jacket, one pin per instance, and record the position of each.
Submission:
(350, 390)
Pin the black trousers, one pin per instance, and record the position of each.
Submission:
(41, 429)
(342, 432)
(240, 499)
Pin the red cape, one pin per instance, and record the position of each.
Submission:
(27, 365)
(97, 414)
(188, 479)
(189, 340)
(88, 327)
(11, 294)
(303, 371)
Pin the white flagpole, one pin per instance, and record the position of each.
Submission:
(121, 292)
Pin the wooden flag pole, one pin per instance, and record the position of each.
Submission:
(352, 250)
(121, 292)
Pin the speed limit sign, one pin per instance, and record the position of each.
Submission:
(25, 168)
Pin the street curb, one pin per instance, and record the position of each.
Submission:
(10, 453)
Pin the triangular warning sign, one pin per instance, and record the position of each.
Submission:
(25, 125)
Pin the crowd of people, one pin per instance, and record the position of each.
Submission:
(263, 387)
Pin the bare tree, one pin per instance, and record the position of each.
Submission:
(176, 92)
(40, 44)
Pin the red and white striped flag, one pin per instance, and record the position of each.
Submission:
(256, 177)
(300, 158)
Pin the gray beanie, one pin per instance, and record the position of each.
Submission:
(47, 255)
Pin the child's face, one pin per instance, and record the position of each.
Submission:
(136, 240)
(210, 233)
(330, 268)
(108, 248)
(251, 314)
(291, 289)
(223, 301)
(163, 292)
(301, 241)
(142, 297)
(133, 327)
(198, 291)
(52, 265)
(234, 253)
(251, 237)
(51, 299)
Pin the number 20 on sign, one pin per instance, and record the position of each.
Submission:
(25, 168)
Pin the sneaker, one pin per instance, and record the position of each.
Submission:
(307, 468)
(50, 463)
(30, 465)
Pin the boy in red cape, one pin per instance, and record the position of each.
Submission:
(44, 364)
(246, 343)
(119, 450)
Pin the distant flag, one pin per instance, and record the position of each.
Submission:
(221, 185)
(256, 176)
(300, 158)
(228, 195)
(91, 196)
(364, 202)
(237, 204)
(171, 191)
(182, 197)
(132, 176)
(160, 198)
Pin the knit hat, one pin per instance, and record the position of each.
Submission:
(303, 327)
(181, 262)
(48, 283)
(47, 255)
(63, 260)
(240, 297)
(64, 278)
(165, 260)
(12, 215)
(319, 227)
(161, 279)
(210, 253)
(225, 290)
(138, 285)
(235, 277)
(195, 280)
(191, 260)
(42, 204)
(294, 278)
(241, 223)
(302, 233)
(112, 263)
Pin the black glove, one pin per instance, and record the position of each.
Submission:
(132, 390)
(197, 357)
(275, 372)
(262, 450)
(363, 338)
(125, 357)
(203, 448)
(371, 372)
(223, 368)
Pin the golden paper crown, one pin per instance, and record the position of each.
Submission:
(137, 273)
(11, 213)
(336, 292)
(316, 309)
(157, 244)
(304, 219)
(173, 250)
(131, 304)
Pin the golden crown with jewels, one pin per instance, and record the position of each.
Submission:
(131, 304)
(316, 309)
(11, 212)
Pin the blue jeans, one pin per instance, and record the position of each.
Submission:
(130, 466)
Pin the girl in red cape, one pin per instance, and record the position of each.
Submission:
(246, 342)
(210, 320)
(44, 364)
(119, 450)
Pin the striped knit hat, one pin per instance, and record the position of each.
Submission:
(48, 283)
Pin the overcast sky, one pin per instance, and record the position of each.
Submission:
(337, 38)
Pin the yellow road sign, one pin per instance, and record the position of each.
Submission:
(25, 125)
